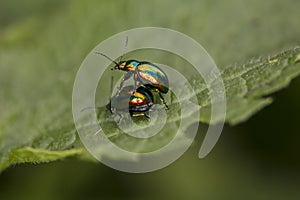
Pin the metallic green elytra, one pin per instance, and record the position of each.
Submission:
(144, 73)
(136, 103)
(147, 73)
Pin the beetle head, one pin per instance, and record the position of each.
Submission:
(119, 66)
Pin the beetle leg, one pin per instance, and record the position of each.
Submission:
(108, 107)
(147, 116)
(125, 77)
(163, 100)
(136, 83)
(120, 117)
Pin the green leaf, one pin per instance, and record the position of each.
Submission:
(247, 88)
(248, 85)
(29, 154)
(41, 51)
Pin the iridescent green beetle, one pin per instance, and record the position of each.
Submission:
(137, 103)
(144, 73)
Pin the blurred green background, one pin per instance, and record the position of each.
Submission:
(42, 44)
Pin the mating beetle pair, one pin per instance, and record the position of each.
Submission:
(147, 77)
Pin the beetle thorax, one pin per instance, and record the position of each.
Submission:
(130, 65)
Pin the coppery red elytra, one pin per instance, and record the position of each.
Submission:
(137, 102)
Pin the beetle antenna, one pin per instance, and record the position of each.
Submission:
(111, 85)
(125, 46)
(126, 41)
(111, 91)
(102, 54)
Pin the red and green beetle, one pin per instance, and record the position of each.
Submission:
(137, 103)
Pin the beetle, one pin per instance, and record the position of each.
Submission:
(137, 102)
(144, 73)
